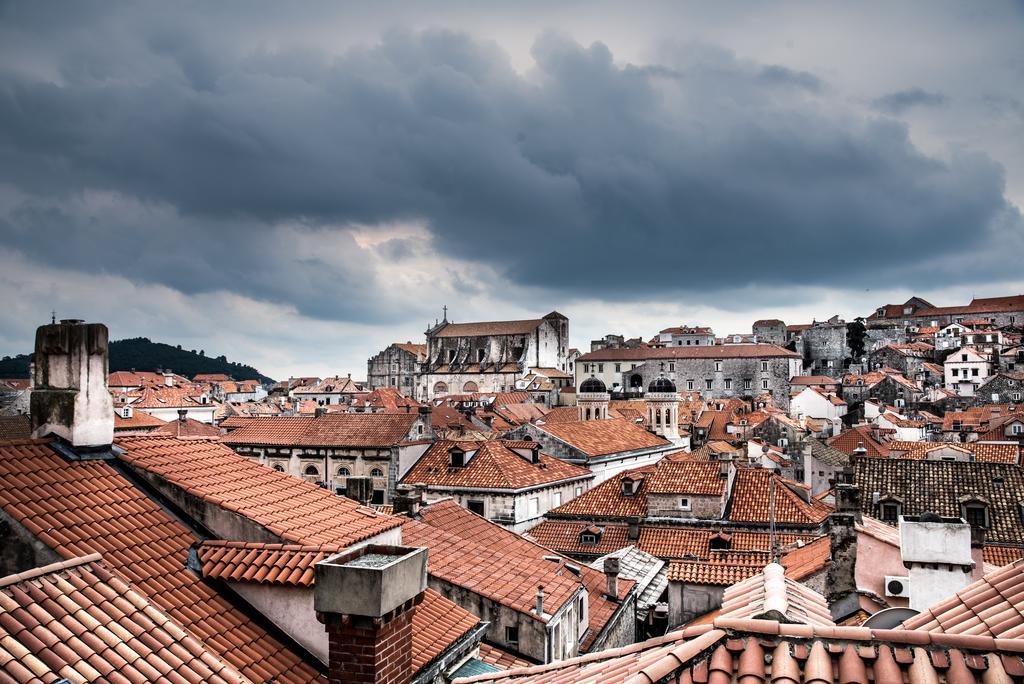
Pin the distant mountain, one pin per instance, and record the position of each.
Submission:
(142, 354)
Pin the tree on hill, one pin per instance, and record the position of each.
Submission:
(142, 354)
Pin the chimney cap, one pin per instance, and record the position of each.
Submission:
(370, 581)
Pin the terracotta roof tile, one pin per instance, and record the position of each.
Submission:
(293, 509)
(331, 430)
(187, 429)
(138, 421)
(111, 622)
(602, 437)
(849, 440)
(750, 500)
(769, 590)
(938, 486)
(503, 660)
(436, 624)
(83, 507)
(700, 478)
(748, 651)
(489, 328)
(992, 606)
(472, 552)
(492, 465)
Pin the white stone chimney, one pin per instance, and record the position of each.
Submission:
(70, 397)
(937, 552)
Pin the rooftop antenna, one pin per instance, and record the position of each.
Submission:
(53, 317)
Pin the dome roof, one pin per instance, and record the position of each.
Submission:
(662, 384)
(592, 384)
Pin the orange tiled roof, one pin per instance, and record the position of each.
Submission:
(83, 507)
(992, 606)
(331, 430)
(564, 536)
(494, 465)
(607, 499)
(503, 660)
(724, 570)
(750, 500)
(436, 624)
(770, 591)
(288, 507)
(603, 437)
(77, 620)
(187, 429)
(849, 440)
(686, 477)
(998, 554)
(467, 543)
(489, 328)
(139, 420)
(283, 564)
(745, 650)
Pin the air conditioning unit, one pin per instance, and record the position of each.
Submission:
(898, 587)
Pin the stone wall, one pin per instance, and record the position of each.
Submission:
(701, 507)
(824, 348)
(393, 367)
(742, 377)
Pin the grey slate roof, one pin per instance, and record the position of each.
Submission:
(650, 573)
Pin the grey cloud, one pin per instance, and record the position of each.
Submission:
(588, 178)
(902, 100)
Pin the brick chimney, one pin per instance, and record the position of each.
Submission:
(366, 599)
(69, 396)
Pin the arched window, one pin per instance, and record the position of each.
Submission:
(311, 470)
(278, 468)
(470, 387)
(344, 472)
(440, 388)
(376, 472)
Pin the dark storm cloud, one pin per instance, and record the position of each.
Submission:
(902, 100)
(701, 173)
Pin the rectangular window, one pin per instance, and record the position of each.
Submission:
(618, 368)
(956, 371)
(764, 366)
(600, 368)
(534, 507)
(684, 504)
(974, 372)
(556, 499)
(718, 366)
(512, 635)
(707, 384)
(890, 512)
(689, 385)
(975, 516)
(672, 367)
(579, 490)
(747, 383)
(728, 383)
(476, 507)
(378, 496)
(764, 384)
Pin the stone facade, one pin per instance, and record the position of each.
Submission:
(772, 331)
(716, 378)
(824, 347)
(686, 506)
(518, 510)
(397, 367)
(491, 357)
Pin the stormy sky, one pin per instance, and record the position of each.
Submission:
(296, 185)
